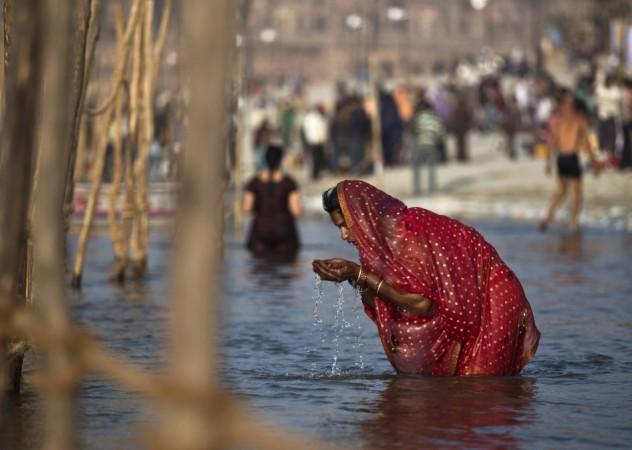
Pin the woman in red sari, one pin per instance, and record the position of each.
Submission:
(443, 301)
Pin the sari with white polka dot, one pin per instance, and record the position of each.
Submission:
(480, 323)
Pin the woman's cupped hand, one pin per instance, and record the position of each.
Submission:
(336, 269)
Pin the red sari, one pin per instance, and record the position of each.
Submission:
(481, 322)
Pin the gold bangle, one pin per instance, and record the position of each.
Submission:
(359, 275)
(379, 285)
(363, 279)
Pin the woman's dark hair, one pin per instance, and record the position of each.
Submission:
(274, 156)
(330, 200)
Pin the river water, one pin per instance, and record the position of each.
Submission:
(306, 358)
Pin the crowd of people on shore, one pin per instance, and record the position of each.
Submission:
(413, 122)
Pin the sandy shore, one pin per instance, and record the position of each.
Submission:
(490, 185)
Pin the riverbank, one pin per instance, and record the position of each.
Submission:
(492, 186)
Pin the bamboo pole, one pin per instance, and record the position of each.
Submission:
(17, 154)
(6, 43)
(152, 53)
(161, 40)
(129, 209)
(239, 141)
(197, 266)
(116, 231)
(236, 425)
(115, 188)
(97, 172)
(2, 66)
(87, 35)
(54, 137)
(78, 173)
(145, 130)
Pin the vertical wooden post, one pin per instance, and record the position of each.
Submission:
(87, 35)
(53, 142)
(116, 231)
(115, 187)
(146, 131)
(5, 7)
(151, 63)
(239, 140)
(97, 172)
(17, 155)
(129, 206)
(196, 289)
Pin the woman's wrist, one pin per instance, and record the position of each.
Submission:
(356, 273)
(359, 278)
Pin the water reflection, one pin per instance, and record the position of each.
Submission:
(275, 271)
(571, 246)
(423, 412)
(20, 422)
(579, 285)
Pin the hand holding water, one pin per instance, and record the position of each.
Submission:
(336, 269)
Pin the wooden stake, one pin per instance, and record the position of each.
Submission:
(239, 141)
(16, 157)
(197, 266)
(116, 232)
(151, 63)
(115, 187)
(102, 139)
(87, 34)
(129, 208)
(53, 148)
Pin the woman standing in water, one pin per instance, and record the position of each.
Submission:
(274, 199)
(443, 301)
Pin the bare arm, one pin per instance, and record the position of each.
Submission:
(408, 300)
(340, 270)
(294, 204)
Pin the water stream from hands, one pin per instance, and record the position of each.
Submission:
(341, 334)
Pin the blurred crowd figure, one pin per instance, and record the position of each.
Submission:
(315, 132)
(428, 131)
(337, 138)
(350, 135)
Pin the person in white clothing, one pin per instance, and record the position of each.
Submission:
(315, 134)
(608, 102)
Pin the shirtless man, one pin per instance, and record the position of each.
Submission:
(569, 134)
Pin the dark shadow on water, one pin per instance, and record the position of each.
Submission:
(273, 270)
(21, 422)
(459, 412)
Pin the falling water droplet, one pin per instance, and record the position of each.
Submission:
(338, 329)
(344, 336)
(318, 328)
(357, 336)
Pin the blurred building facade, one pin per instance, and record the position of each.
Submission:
(330, 39)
